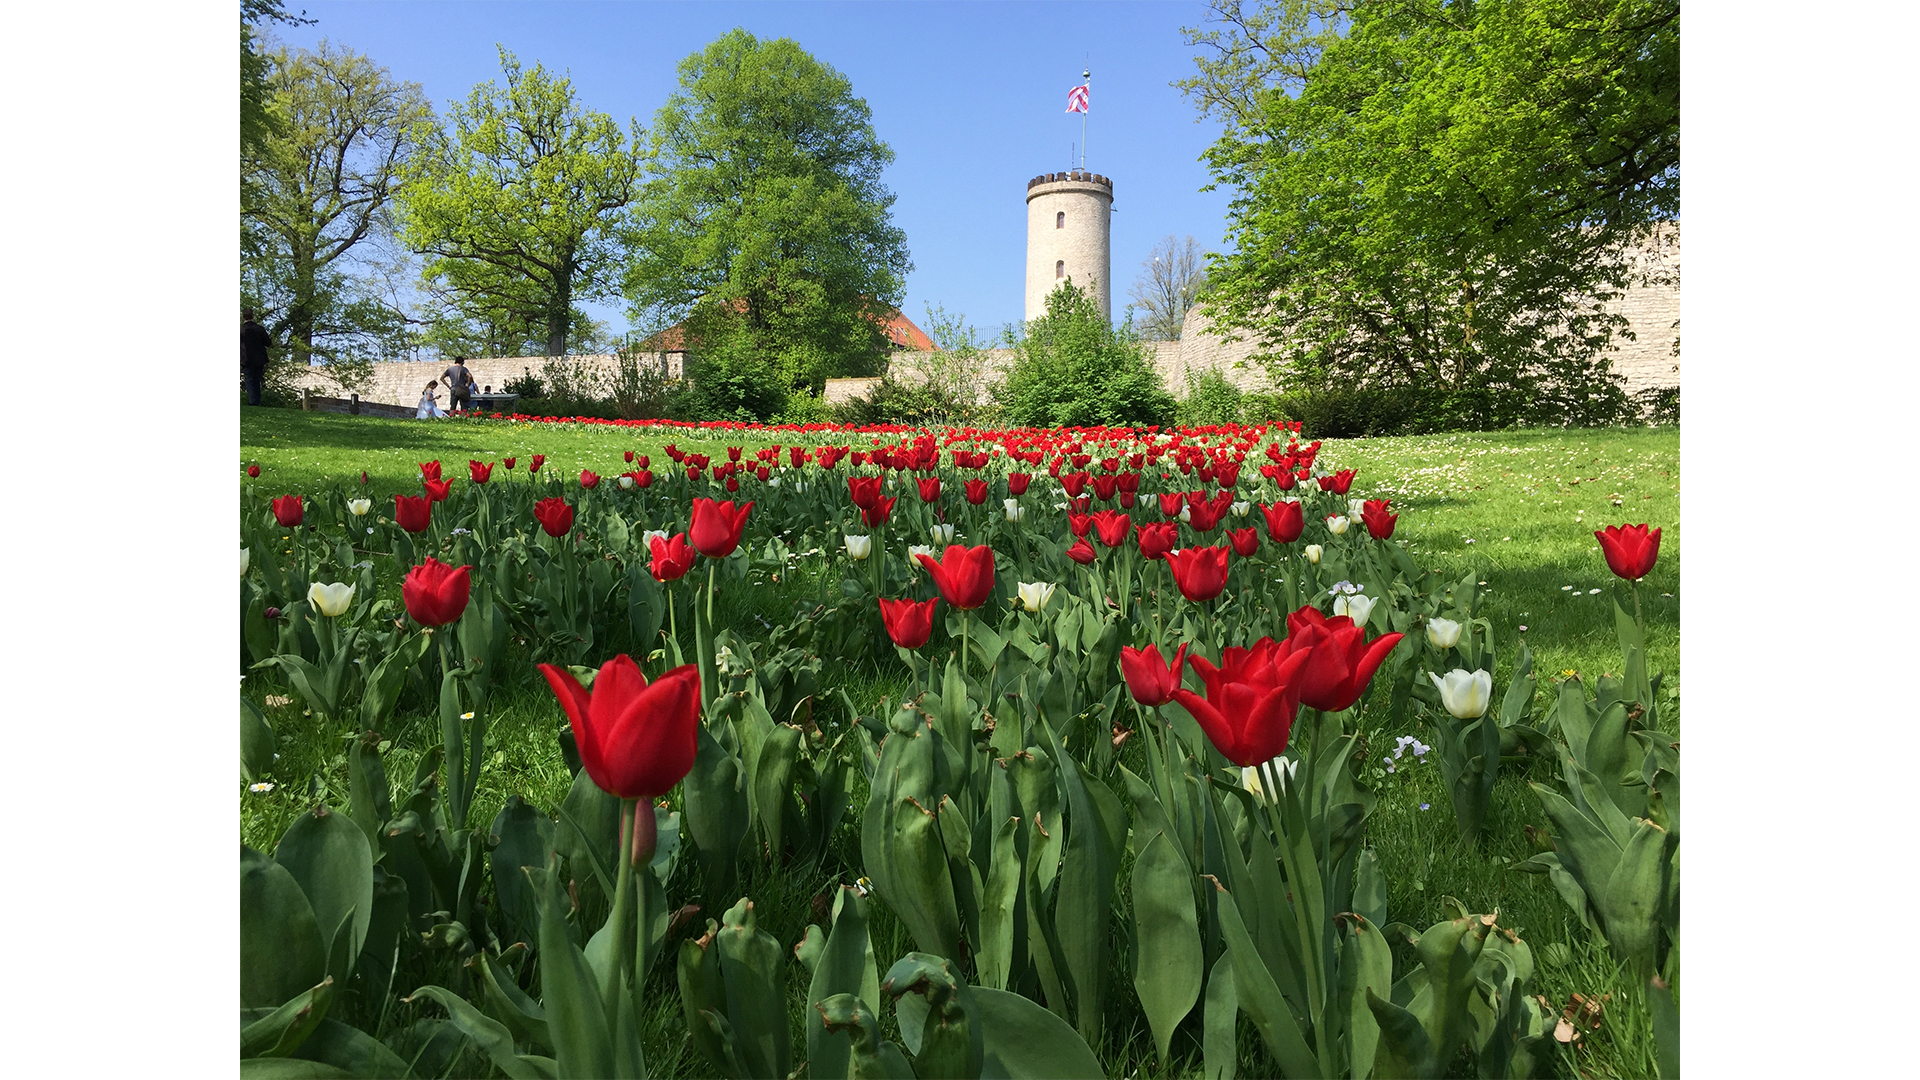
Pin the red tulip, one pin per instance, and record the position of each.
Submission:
(1203, 515)
(864, 490)
(253, 471)
(733, 453)
(642, 478)
(1081, 524)
(508, 462)
(1338, 483)
(1630, 549)
(1284, 521)
(963, 575)
(1104, 486)
(1379, 523)
(636, 740)
(1158, 538)
(288, 511)
(629, 457)
(413, 512)
(538, 460)
(1082, 552)
(1113, 526)
(589, 479)
(1245, 541)
(909, 624)
(1017, 483)
(929, 488)
(879, 512)
(1343, 660)
(643, 461)
(1200, 572)
(1074, 483)
(1150, 679)
(435, 593)
(672, 558)
(1171, 502)
(717, 527)
(1248, 713)
(430, 470)
(554, 515)
(976, 491)
(363, 478)
(480, 472)
(733, 483)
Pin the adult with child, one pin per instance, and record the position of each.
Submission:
(429, 407)
(254, 341)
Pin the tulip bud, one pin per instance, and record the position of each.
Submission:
(1443, 633)
(1466, 694)
(1240, 509)
(1356, 607)
(1014, 510)
(943, 534)
(1035, 594)
(859, 547)
(1312, 552)
(330, 600)
(246, 560)
(271, 613)
(359, 507)
(1337, 524)
(1284, 768)
(914, 552)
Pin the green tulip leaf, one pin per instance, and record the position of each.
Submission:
(1168, 960)
(281, 951)
(1023, 1041)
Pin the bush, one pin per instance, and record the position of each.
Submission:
(1658, 404)
(1211, 399)
(1075, 369)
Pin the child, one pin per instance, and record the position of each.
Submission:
(428, 406)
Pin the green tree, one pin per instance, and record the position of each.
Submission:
(1075, 369)
(516, 200)
(767, 230)
(1439, 195)
(319, 185)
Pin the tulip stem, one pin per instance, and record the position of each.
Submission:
(966, 640)
(622, 917)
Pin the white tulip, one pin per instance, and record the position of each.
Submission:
(1186, 514)
(943, 534)
(1443, 633)
(1356, 507)
(775, 482)
(1035, 594)
(1312, 552)
(646, 538)
(859, 547)
(1466, 694)
(1284, 768)
(1014, 510)
(246, 560)
(330, 600)
(1356, 607)
(1240, 509)
(626, 483)
(1337, 525)
(917, 550)
(359, 507)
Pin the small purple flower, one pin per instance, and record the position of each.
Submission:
(1423, 806)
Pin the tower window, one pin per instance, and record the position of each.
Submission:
(1060, 220)
(1060, 269)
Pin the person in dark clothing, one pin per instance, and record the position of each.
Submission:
(459, 385)
(254, 340)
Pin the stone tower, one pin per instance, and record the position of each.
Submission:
(1069, 235)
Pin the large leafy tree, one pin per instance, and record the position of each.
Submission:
(1171, 281)
(767, 229)
(1439, 194)
(320, 184)
(515, 203)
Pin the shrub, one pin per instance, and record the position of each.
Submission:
(1211, 399)
(1075, 369)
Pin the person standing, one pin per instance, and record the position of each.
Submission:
(254, 340)
(459, 385)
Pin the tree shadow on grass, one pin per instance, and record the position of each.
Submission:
(332, 431)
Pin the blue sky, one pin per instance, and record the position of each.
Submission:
(970, 96)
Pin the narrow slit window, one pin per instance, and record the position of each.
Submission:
(1060, 269)
(1060, 220)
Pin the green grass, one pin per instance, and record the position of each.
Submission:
(1528, 501)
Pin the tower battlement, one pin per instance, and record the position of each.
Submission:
(1077, 175)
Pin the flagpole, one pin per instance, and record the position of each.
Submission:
(1086, 76)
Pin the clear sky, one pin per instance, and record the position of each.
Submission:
(970, 96)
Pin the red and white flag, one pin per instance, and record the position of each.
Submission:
(1077, 99)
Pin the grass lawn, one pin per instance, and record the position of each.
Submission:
(1518, 508)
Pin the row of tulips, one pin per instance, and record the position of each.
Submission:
(995, 833)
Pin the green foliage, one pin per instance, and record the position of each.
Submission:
(1441, 197)
(318, 184)
(1074, 369)
(515, 201)
(945, 386)
(767, 230)
(1211, 399)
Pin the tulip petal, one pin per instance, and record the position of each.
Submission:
(1212, 722)
(651, 743)
(574, 701)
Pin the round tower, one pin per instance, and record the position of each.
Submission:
(1069, 237)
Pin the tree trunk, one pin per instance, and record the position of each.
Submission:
(560, 314)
